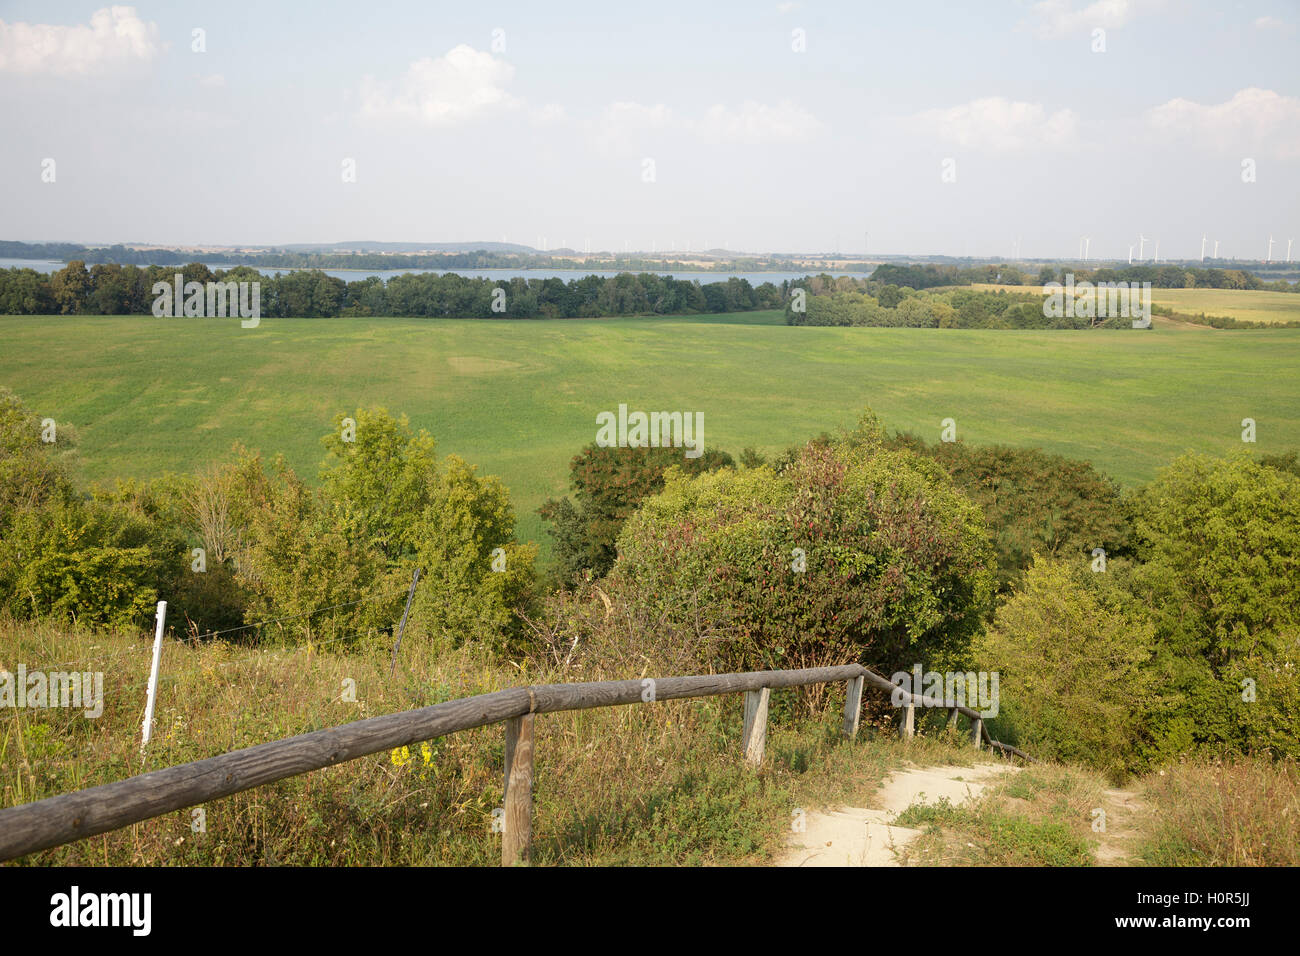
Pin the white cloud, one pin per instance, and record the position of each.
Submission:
(627, 125)
(1272, 23)
(786, 7)
(637, 126)
(759, 123)
(633, 116)
(1054, 18)
(115, 35)
(999, 124)
(548, 115)
(1252, 119)
(212, 81)
(452, 89)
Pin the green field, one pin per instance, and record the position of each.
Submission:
(519, 398)
(1246, 305)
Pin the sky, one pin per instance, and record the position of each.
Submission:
(901, 128)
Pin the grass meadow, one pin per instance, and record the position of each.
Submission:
(519, 398)
(1246, 305)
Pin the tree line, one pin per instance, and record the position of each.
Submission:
(112, 289)
(847, 302)
(1160, 276)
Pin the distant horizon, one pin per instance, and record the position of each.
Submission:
(451, 248)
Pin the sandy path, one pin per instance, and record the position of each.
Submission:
(853, 836)
(1117, 841)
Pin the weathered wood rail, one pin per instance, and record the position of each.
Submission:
(31, 827)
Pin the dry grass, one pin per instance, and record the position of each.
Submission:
(1242, 812)
(659, 785)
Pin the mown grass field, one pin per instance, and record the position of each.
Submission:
(1247, 305)
(519, 398)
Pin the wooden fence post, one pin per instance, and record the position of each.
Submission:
(517, 834)
(907, 723)
(754, 738)
(952, 718)
(977, 732)
(852, 706)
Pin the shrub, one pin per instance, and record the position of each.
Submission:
(895, 567)
(608, 484)
(1219, 546)
(1074, 657)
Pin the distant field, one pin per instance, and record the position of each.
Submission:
(519, 398)
(1247, 305)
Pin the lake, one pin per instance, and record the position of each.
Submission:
(353, 275)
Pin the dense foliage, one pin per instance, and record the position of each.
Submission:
(243, 542)
(852, 552)
(1034, 502)
(1160, 276)
(608, 484)
(1196, 640)
(128, 290)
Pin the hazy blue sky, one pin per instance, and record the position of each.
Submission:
(543, 128)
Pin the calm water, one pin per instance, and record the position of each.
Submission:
(353, 275)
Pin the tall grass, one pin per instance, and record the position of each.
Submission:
(1242, 812)
(662, 784)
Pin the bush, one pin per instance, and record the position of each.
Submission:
(894, 564)
(1219, 546)
(1074, 657)
(608, 484)
(1034, 502)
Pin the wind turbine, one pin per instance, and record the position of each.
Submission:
(1142, 244)
(1155, 256)
(1216, 248)
(1203, 237)
(1288, 251)
(1130, 254)
(1270, 248)
(1087, 245)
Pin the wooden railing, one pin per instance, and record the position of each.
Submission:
(54, 821)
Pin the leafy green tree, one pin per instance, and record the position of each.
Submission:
(609, 484)
(378, 479)
(383, 488)
(851, 552)
(32, 472)
(1218, 541)
(474, 574)
(297, 560)
(1075, 658)
(71, 288)
(1034, 502)
(74, 561)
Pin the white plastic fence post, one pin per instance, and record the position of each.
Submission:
(153, 673)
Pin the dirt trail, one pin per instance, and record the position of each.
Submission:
(1117, 841)
(853, 836)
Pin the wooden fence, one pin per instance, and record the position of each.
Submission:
(74, 816)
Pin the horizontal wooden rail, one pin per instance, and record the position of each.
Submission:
(31, 827)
